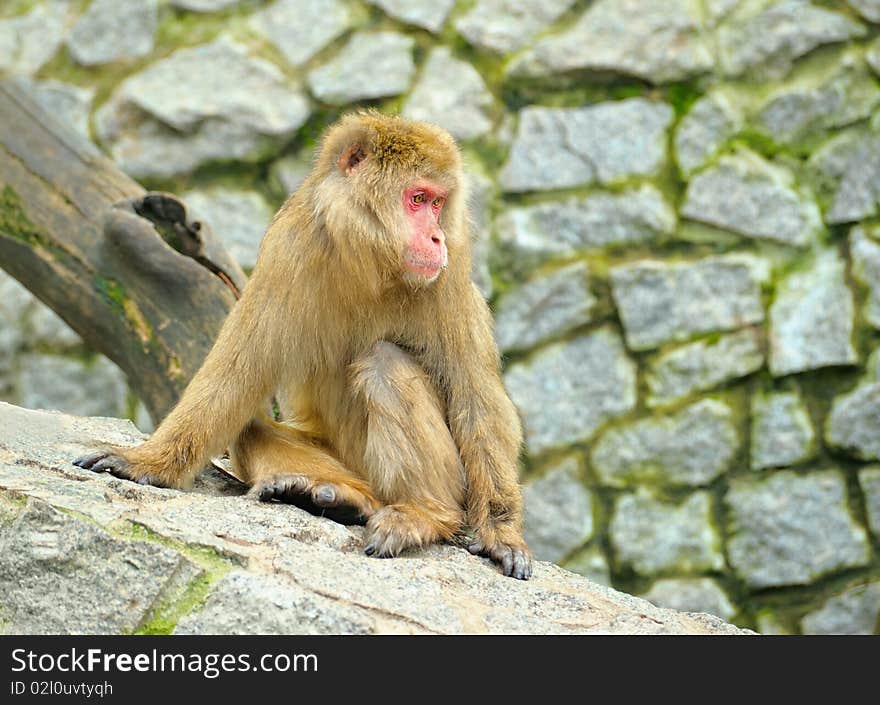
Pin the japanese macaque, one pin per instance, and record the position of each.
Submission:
(362, 319)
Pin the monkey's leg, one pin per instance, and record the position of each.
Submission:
(409, 456)
(282, 465)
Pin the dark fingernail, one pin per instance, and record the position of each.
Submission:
(370, 550)
(507, 564)
(88, 460)
(325, 495)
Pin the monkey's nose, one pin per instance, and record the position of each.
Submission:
(436, 240)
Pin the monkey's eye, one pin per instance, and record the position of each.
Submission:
(438, 202)
(418, 198)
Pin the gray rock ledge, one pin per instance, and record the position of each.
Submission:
(126, 558)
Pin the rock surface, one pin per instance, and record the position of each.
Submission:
(816, 102)
(28, 322)
(607, 142)
(28, 41)
(481, 197)
(567, 390)
(197, 106)
(97, 583)
(559, 512)
(592, 564)
(596, 221)
(544, 308)
(690, 447)
(654, 537)
(853, 425)
(287, 173)
(87, 553)
(872, 56)
(701, 133)
(864, 247)
(450, 93)
(506, 25)
(869, 480)
(429, 14)
(114, 30)
(854, 611)
(782, 433)
(748, 195)
(371, 65)
(646, 183)
(848, 166)
(660, 302)
(702, 365)
(691, 595)
(302, 28)
(766, 41)
(811, 320)
(869, 9)
(204, 5)
(655, 40)
(96, 387)
(790, 529)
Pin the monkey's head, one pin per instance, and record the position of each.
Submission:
(390, 195)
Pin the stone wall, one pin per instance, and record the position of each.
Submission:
(677, 206)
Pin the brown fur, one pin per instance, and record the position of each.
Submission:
(390, 387)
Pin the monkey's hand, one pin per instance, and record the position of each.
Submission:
(504, 544)
(122, 465)
(338, 501)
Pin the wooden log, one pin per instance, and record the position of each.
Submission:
(128, 270)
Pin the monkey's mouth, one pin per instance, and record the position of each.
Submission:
(426, 269)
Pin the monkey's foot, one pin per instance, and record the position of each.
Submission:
(118, 466)
(505, 547)
(399, 526)
(335, 500)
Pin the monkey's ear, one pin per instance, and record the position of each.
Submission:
(351, 158)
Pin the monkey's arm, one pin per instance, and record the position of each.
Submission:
(239, 373)
(487, 430)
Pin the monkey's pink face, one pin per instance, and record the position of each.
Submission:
(425, 254)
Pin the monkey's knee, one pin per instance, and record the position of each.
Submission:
(387, 377)
(396, 390)
(410, 455)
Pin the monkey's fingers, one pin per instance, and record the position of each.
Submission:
(383, 542)
(522, 566)
(109, 462)
(89, 459)
(515, 561)
(325, 499)
(284, 488)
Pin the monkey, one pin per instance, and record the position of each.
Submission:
(361, 318)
